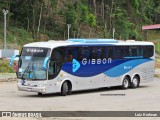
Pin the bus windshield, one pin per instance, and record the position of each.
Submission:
(31, 63)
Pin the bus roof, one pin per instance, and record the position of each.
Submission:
(84, 42)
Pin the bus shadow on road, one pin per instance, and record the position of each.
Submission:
(99, 90)
(106, 89)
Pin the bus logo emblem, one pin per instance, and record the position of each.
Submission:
(75, 65)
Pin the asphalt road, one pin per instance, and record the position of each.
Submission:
(144, 98)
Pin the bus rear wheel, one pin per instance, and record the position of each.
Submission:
(135, 82)
(125, 83)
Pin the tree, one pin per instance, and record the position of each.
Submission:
(82, 12)
(52, 17)
(71, 18)
(40, 16)
(91, 19)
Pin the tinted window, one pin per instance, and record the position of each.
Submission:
(133, 51)
(57, 55)
(147, 51)
(97, 52)
(84, 52)
(110, 51)
(70, 53)
(121, 52)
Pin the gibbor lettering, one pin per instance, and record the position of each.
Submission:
(86, 61)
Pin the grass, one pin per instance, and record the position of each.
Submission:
(157, 48)
(154, 36)
(4, 67)
(16, 37)
(157, 63)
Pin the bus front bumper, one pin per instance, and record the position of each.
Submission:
(31, 89)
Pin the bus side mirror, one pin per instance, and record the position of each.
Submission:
(45, 63)
(12, 59)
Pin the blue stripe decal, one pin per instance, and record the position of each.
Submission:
(89, 44)
(114, 69)
(137, 57)
(93, 40)
(125, 67)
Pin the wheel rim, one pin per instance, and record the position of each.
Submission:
(135, 81)
(67, 88)
(125, 83)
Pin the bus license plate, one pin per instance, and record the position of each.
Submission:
(29, 89)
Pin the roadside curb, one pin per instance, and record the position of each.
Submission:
(8, 79)
(157, 75)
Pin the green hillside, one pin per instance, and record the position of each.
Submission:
(40, 20)
(15, 37)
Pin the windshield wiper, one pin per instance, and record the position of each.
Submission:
(25, 71)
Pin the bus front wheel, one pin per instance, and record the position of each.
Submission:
(125, 83)
(64, 89)
(40, 94)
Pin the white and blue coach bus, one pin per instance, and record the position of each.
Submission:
(82, 64)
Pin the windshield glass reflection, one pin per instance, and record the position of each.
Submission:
(31, 63)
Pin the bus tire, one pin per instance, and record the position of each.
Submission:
(69, 92)
(135, 82)
(40, 94)
(125, 83)
(64, 89)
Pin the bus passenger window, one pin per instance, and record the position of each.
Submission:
(110, 53)
(84, 53)
(71, 53)
(126, 51)
(147, 51)
(133, 51)
(75, 53)
(57, 55)
(94, 53)
(100, 53)
(70, 57)
(119, 53)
